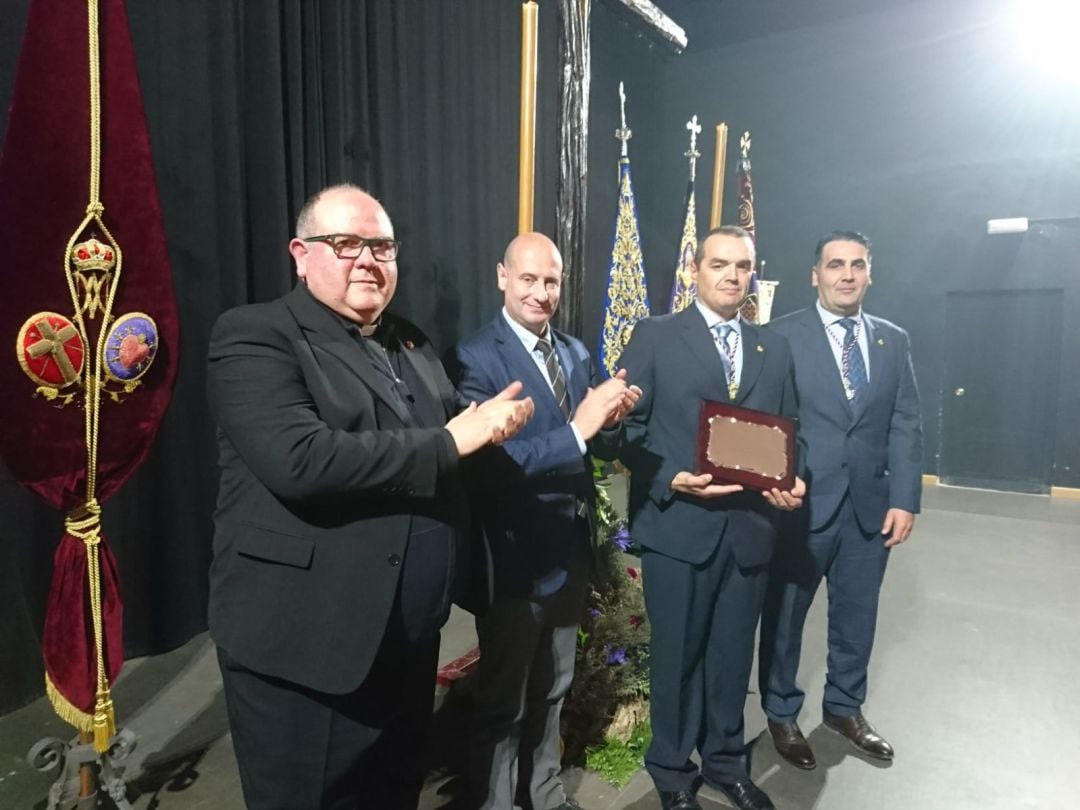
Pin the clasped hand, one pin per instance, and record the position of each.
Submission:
(605, 405)
(492, 421)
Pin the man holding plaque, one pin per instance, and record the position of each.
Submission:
(859, 416)
(706, 543)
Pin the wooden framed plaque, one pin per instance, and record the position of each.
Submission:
(744, 446)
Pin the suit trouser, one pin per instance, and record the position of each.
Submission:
(302, 749)
(527, 650)
(852, 560)
(703, 619)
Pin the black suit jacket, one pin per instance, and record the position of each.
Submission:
(674, 359)
(322, 469)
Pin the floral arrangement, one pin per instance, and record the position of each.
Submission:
(606, 713)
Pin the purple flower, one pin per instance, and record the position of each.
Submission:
(594, 612)
(617, 657)
(621, 538)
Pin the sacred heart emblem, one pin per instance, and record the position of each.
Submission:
(130, 347)
(133, 350)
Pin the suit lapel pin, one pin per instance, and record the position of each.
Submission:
(881, 341)
(409, 344)
(760, 348)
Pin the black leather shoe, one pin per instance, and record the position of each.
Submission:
(678, 800)
(792, 745)
(746, 795)
(861, 734)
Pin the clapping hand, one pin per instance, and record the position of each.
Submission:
(492, 421)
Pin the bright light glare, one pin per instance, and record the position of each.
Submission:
(1048, 33)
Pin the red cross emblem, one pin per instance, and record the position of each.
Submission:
(51, 350)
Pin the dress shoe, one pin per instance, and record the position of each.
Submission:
(678, 800)
(745, 795)
(569, 804)
(861, 734)
(792, 745)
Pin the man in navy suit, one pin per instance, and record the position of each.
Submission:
(859, 416)
(706, 545)
(536, 505)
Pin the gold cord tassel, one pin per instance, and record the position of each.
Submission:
(86, 526)
(104, 721)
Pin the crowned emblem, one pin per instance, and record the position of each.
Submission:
(92, 265)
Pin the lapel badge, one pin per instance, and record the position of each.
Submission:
(881, 341)
(760, 348)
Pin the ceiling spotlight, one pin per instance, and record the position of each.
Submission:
(1047, 33)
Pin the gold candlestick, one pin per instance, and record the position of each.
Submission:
(527, 135)
(717, 209)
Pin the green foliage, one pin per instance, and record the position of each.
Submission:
(612, 665)
(616, 761)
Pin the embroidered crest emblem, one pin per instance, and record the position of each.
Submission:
(130, 347)
(92, 265)
(51, 352)
(52, 348)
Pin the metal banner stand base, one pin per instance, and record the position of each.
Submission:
(70, 757)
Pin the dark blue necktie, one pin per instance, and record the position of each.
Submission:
(854, 366)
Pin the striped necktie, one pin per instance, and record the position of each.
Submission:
(852, 366)
(555, 375)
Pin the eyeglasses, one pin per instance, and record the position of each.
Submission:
(350, 246)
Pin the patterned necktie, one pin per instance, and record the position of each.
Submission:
(853, 368)
(728, 353)
(555, 375)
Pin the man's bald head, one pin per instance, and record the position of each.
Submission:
(530, 276)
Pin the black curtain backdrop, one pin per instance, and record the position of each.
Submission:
(251, 107)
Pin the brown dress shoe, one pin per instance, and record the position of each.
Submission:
(861, 734)
(792, 745)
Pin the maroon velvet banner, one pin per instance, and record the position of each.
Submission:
(44, 192)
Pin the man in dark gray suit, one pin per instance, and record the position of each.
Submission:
(338, 522)
(706, 545)
(536, 501)
(859, 416)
